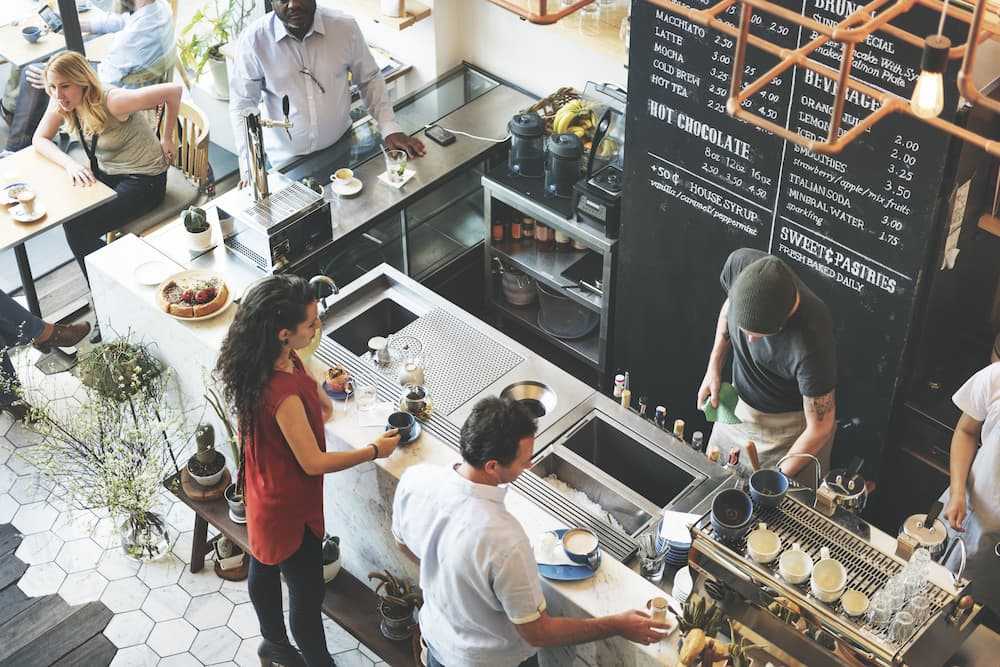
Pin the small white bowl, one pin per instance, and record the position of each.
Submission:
(854, 602)
(795, 565)
(829, 578)
(763, 545)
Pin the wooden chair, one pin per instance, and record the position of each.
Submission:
(192, 144)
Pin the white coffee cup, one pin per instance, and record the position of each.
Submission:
(829, 578)
(763, 545)
(795, 565)
(26, 198)
(342, 177)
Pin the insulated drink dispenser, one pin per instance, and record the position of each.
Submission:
(562, 166)
(527, 145)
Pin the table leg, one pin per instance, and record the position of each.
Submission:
(199, 543)
(27, 280)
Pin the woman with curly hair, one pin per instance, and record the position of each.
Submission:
(281, 410)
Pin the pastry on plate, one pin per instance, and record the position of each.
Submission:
(192, 297)
(337, 378)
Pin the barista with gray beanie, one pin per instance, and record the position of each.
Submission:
(784, 364)
(483, 602)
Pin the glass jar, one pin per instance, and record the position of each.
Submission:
(544, 237)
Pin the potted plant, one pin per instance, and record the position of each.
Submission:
(203, 39)
(206, 465)
(107, 441)
(234, 492)
(331, 557)
(228, 554)
(397, 600)
(199, 234)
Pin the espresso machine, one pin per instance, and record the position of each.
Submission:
(279, 222)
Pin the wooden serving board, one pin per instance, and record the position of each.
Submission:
(196, 491)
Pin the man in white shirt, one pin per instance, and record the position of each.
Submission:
(483, 602)
(141, 54)
(306, 53)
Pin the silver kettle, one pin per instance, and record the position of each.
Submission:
(929, 532)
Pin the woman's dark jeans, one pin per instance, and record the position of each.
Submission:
(303, 572)
(432, 660)
(137, 195)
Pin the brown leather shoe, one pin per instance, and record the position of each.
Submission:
(63, 335)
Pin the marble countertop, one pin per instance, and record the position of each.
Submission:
(615, 588)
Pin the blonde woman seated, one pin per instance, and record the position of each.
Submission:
(123, 149)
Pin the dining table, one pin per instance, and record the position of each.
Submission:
(19, 14)
(54, 193)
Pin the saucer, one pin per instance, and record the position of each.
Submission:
(337, 395)
(152, 273)
(349, 189)
(414, 433)
(4, 192)
(18, 213)
(558, 572)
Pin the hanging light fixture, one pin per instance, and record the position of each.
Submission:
(928, 95)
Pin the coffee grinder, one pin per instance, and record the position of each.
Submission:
(598, 197)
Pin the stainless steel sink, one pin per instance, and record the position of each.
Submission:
(383, 318)
(535, 396)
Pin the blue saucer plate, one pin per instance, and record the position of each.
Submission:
(336, 395)
(567, 572)
(414, 433)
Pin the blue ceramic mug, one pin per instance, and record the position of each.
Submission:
(32, 33)
(581, 546)
(403, 422)
(768, 487)
(732, 512)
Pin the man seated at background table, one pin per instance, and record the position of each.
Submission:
(306, 53)
(141, 54)
(483, 602)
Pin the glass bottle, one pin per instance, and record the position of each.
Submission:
(515, 230)
(497, 230)
(528, 229)
(562, 240)
(543, 237)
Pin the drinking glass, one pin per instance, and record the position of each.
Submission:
(880, 610)
(920, 562)
(366, 396)
(651, 567)
(902, 627)
(913, 581)
(895, 592)
(920, 607)
(395, 166)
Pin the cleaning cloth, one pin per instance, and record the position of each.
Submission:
(726, 412)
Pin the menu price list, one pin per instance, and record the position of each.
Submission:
(860, 217)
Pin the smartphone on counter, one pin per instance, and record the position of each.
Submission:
(439, 135)
(51, 18)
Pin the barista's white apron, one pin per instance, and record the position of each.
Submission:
(773, 434)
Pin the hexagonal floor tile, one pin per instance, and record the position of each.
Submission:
(338, 639)
(171, 637)
(105, 533)
(166, 603)
(124, 595)
(44, 579)
(369, 653)
(209, 611)
(162, 572)
(246, 655)
(7, 477)
(30, 489)
(6, 449)
(235, 591)
(34, 518)
(180, 660)
(354, 658)
(20, 435)
(200, 583)
(81, 587)
(74, 524)
(182, 546)
(116, 564)
(8, 507)
(136, 656)
(243, 621)
(39, 548)
(79, 555)
(128, 629)
(215, 645)
(21, 461)
(181, 517)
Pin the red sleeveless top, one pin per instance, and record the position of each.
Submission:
(281, 499)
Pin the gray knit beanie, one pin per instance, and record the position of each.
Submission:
(762, 296)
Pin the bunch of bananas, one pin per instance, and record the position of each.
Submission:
(575, 117)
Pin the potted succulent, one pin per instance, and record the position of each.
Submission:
(206, 465)
(234, 492)
(397, 601)
(199, 234)
(331, 557)
(228, 554)
(203, 40)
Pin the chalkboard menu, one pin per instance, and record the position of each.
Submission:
(858, 227)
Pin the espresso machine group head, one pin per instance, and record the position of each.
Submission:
(253, 126)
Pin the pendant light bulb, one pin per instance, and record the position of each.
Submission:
(928, 95)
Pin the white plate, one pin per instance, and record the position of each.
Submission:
(152, 273)
(202, 275)
(17, 212)
(349, 189)
(5, 198)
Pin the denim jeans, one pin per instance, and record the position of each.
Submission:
(17, 326)
(137, 195)
(432, 660)
(303, 572)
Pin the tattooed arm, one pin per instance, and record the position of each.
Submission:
(821, 422)
(716, 360)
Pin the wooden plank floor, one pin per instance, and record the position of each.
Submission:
(43, 631)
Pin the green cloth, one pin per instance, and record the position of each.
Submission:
(726, 412)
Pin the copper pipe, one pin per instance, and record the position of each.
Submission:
(966, 85)
(846, 61)
(739, 55)
(543, 18)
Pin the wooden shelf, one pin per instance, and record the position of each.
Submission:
(370, 9)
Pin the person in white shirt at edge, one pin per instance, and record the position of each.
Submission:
(972, 501)
(307, 53)
(483, 601)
